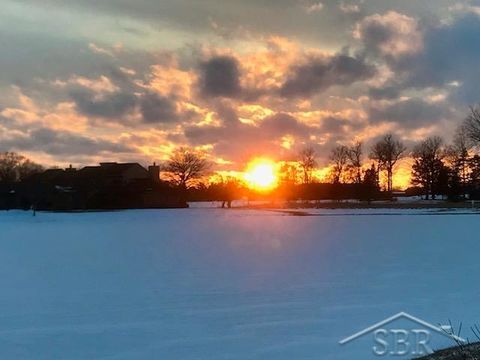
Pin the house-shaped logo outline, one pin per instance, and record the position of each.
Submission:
(393, 318)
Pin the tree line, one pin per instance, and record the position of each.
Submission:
(437, 168)
(15, 167)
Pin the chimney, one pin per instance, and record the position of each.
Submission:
(154, 171)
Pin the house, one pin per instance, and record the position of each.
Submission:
(109, 185)
(114, 174)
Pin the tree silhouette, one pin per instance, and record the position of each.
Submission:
(185, 166)
(458, 158)
(474, 166)
(28, 168)
(428, 165)
(472, 125)
(339, 159)
(387, 152)
(229, 187)
(15, 167)
(307, 164)
(354, 154)
(289, 174)
(9, 162)
(371, 186)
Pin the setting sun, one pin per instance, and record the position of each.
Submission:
(261, 174)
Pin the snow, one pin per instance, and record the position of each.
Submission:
(228, 284)
(218, 204)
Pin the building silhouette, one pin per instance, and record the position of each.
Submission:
(110, 185)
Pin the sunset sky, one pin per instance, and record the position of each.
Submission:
(84, 81)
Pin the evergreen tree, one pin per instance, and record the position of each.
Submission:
(428, 165)
(371, 183)
(474, 185)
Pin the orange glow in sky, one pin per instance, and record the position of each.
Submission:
(261, 174)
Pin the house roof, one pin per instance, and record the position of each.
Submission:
(87, 174)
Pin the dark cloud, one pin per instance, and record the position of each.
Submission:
(412, 113)
(156, 108)
(287, 18)
(450, 52)
(230, 127)
(283, 124)
(334, 125)
(271, 127)
(389, 92)
(61, 143)
(34, 60)
(240, 141)
(318, 74)
(128, 97)
(111, 105)
(375, 35)
(28, 55)
(393, 35)
(120, 78)
(220, 77)
(227, 113)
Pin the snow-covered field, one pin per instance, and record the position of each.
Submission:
(228, 284)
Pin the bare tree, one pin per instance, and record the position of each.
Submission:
(9, 163)
(186, 166)
(472, 125)
(458, 157)
(230, 187)
(15, 167)
(387, 152)
(339, 159)
(28, 168)
(307, 164)
(354, 154)
(289, 174)
(428, 164)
